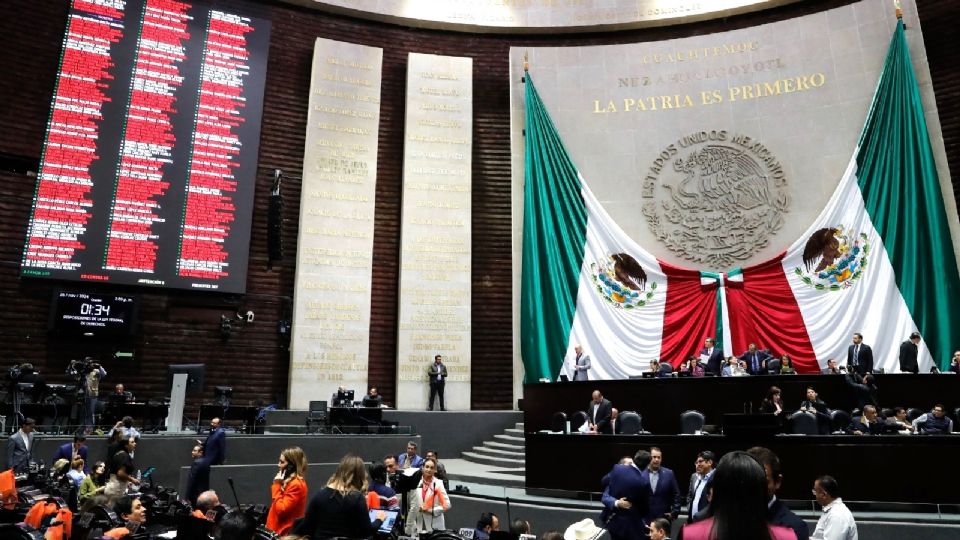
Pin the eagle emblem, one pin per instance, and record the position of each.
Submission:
(832, 261)
(622, 282)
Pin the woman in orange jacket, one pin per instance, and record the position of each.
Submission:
(289, 491)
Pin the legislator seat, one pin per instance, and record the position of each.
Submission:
(803, 423)
(558, 422)
(631, 423)
(913, 413)
(691, 422)
(839, 420)
(773, 366)
(665, 369)
(578, 419)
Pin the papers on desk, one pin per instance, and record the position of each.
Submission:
(704, 358)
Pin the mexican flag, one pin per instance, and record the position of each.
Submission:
(878, 260)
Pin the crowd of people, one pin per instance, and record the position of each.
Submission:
(710, 361)
(734, 497)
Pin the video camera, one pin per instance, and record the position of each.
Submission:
(18, 371)
(78, 369)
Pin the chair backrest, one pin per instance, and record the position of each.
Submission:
(665, 368)
(913, 413)
(803, 423)
(839, 419)
(773, 366)
(578, 419)
(886, 412)
(691, 422)
(317, 408)
(630, 423)
(558, 422)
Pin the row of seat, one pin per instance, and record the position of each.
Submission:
(692, 421)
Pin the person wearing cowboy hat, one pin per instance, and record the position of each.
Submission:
(584, 529)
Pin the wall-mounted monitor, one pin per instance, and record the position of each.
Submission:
(149, 164)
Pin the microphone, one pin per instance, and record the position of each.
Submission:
(234, 490)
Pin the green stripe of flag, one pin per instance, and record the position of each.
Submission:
(554, 234)
(898, 178)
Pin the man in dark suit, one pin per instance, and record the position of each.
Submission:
(664, 491)
(20, 447)
(697, 494)
(867, 423)
(437, 373)
(213, 452)
(68, 451)
(598, 412)
(859, 356)
(755, 360)
(626, 500)
(909, 351)
(777, 512)
(714, 356)
(215, 447)
(612, 427)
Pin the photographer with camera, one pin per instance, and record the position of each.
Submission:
(87, 374)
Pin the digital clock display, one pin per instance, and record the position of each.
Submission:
(91, 315)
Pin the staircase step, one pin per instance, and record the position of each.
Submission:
(517, 441)
(504, 445)
(501, 452)
(514, 432)
(490, 460)
(519, 425)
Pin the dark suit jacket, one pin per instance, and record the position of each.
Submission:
(65, 451)
(876, 428)
(715, 363)
(864, 363)
(762, 358)
(215, 447)
(627, 481)
(604, 409)
(908, 357)
(692, 492)
(18, 457)
(779, 514)
(666, 498)
(866, 393)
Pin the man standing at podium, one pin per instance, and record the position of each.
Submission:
(711, 356)
(859, 356)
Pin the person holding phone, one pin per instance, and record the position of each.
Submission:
(289, 491)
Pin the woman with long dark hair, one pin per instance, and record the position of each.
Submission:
(340, 508)
(738, 506)
(288, 491)
(773, 404)
(93, 483)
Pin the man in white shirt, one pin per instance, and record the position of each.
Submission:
(697, 495)
(837, 522)
(20, 447)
